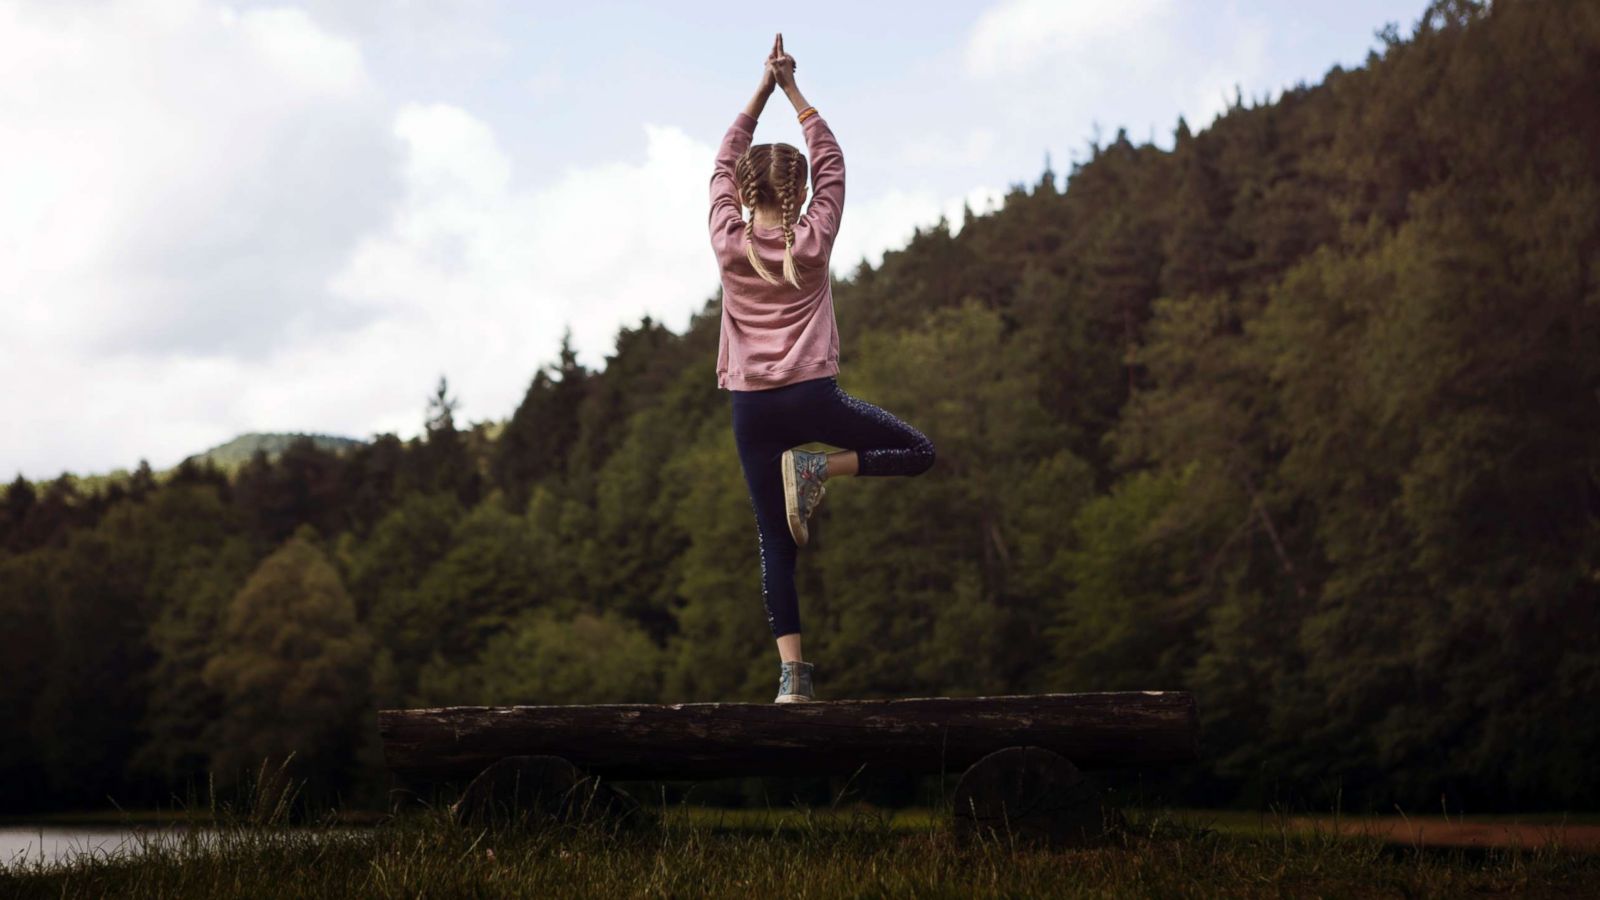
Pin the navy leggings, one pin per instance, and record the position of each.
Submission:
(766, 423)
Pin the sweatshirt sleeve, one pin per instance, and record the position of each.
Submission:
(726, 219)
(827, 177)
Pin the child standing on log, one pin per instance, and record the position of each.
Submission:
(778, 354)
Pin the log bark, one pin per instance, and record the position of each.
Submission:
(721, 740)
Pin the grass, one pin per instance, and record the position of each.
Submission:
(252, 849)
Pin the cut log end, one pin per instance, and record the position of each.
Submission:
(1030, 793)
(532, 791)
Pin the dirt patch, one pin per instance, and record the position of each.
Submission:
(1440, 832)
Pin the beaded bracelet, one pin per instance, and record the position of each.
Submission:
(808, 111)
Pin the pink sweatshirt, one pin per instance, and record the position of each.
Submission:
(777, 334)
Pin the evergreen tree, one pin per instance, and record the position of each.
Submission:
(27, 592)
(540, 437)
(143, 481)
(444, 462)
(19, 503)
(373, 473)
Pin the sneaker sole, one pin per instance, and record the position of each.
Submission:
(795, 698)
(791, 492)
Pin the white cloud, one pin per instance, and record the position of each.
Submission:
(493, 270)
(936, 149)
(216, 221)
(300, 52)
(181, 180)
(435, 33)
(547, 80)
(1133, 63)
(1242, 63)
(888, 220)
(480, 274)
(219, 226)
(178, 178)
(1018, 35)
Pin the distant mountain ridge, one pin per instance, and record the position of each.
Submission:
(228, 457)
(238, 451)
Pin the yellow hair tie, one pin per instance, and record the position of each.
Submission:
(808, 111)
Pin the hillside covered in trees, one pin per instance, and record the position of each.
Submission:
(242, 449)
(1302, 416)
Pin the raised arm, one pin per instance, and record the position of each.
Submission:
(827, 170)
(726, 220)
(827, 160)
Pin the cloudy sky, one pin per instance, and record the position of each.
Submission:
(222, 217)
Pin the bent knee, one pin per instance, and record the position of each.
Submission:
(923, 460)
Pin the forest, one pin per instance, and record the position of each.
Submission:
(1302, 415)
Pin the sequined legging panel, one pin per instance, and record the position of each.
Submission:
(766, 423)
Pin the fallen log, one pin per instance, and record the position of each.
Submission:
(719, 740)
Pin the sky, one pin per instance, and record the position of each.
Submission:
(224, 217)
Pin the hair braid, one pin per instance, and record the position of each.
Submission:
(755, 160)
(789, 216)
(757, 174)
(748, 195)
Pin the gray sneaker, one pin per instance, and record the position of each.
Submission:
(803, 474)
(794, 683)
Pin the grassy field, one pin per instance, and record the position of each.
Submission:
(690, 851)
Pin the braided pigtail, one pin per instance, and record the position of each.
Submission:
(745, 172)
(768, 175)
(789, 215)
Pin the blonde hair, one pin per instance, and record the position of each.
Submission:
(772, 174)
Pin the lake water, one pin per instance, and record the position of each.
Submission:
(23, 845)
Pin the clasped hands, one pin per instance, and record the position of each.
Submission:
(778, 69)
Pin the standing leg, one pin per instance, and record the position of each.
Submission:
(758, 456)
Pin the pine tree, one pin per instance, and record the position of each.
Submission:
(444, 461)
(19, 503)
(539, 439)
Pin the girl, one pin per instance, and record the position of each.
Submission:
(778, 354)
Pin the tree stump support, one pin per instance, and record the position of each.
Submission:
(531, 791)
(1029, 793)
